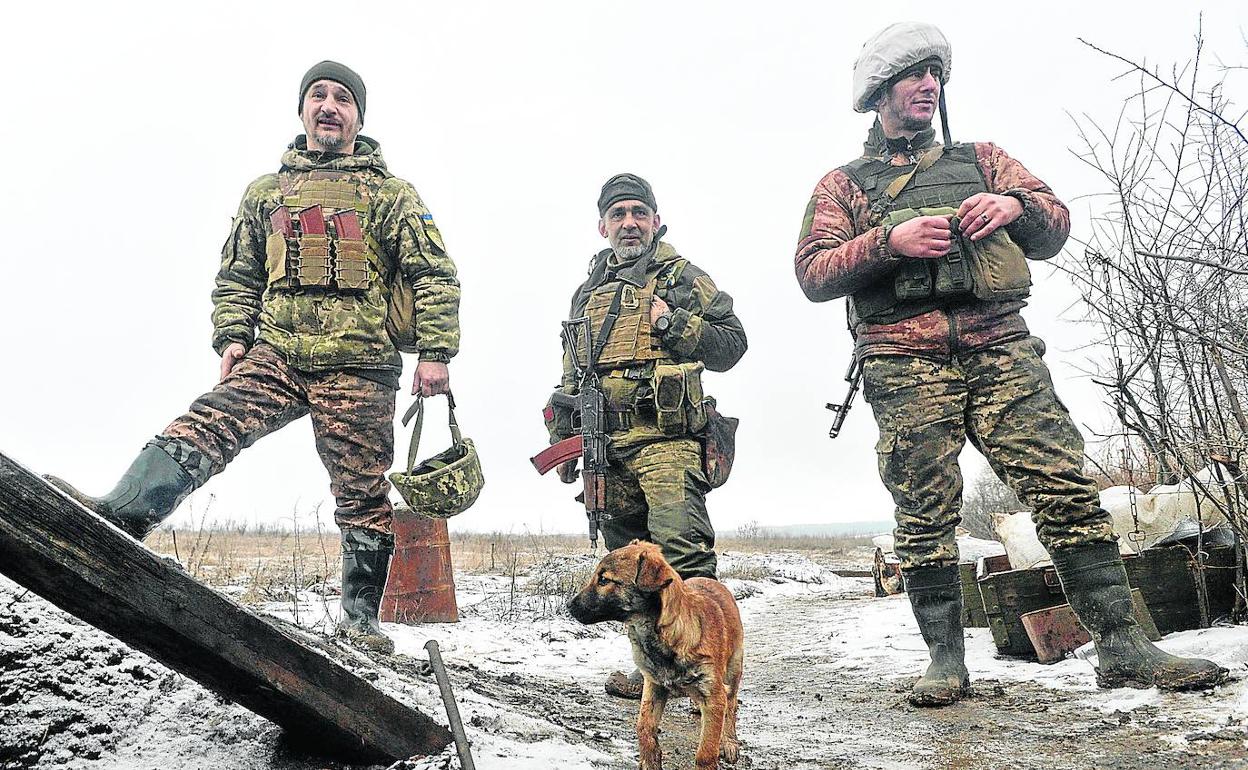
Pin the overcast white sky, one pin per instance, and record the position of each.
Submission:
(133, 130)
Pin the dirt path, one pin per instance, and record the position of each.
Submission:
(813, 697)
(805, 709)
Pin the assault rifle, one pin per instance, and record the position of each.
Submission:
(854, 378)
(589, 405)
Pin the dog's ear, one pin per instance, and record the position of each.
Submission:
(653, 574)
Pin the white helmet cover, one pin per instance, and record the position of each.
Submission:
(891, 50)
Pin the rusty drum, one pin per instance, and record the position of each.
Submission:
(421, 585)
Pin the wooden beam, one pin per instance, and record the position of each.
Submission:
(85, 566)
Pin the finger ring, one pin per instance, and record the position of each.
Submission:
(985, 217)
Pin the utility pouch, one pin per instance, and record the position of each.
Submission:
(913, 280)
(999, 267)
(669, 398)
(695, 399)
(953, 274)
(350, 258)
(276, 245)
(313, 269)
(719, 444)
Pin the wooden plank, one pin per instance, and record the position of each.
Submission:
(85, 566)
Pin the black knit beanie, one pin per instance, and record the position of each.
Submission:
(339, 73)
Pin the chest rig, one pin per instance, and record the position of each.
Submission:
(629, 341)
(918, 285)
(317, 238)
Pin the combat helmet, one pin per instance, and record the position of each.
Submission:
(892, 50)
(447, 483)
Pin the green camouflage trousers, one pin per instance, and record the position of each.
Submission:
(352, 422)
(657, 492)
(1002, 398)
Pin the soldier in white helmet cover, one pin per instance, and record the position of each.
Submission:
(930, 244)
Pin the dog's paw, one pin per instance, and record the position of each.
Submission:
(729, 751)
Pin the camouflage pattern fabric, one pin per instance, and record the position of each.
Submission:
(657, 492)
(352, 421)
(1001, 397)
(316, 330)
(841, 251)
(704, 328)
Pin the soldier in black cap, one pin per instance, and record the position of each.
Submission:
(671, 324)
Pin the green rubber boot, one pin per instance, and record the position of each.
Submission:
(151, 488)
(365, 565)
(936, 598)
(1095, 582)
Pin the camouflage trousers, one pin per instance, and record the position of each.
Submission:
(1002, 398)
(352, 422)
(657, 492)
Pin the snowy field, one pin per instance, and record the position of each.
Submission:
(825, 661)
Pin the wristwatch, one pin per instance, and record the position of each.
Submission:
(663, 323)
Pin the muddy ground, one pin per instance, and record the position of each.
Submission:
(826, 672)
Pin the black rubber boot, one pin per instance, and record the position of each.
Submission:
(151, 488)
(623, 685)
(936, 598)
(1095, 582)
(365, 565)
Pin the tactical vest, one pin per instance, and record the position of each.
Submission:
(317, 238)
(918, 285)
(630, 341)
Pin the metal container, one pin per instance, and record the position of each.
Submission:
(421, 585)
(1056, 631)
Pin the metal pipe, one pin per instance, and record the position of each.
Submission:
(452, 710)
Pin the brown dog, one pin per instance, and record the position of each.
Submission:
(687, 640)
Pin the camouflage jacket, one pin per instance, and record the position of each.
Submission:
(317, 330)
(704, 328)
(840, 252)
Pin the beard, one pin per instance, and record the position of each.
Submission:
(909, 123)
(631, 252)
(331, 142)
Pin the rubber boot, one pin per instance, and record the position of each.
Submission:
(1096, 586)
(365, 565)
(151, 488)
(936, 598)
(623, 685)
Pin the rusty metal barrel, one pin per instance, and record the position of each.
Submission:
(421, 585)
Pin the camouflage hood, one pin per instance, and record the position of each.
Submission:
(367, 155)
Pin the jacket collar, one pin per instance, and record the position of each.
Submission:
(298, 157)
(880, 146)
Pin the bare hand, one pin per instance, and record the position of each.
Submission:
(432, 379)
(230, 356)
(921, 237)
(657, 308)
(568, 472)
(983, 213)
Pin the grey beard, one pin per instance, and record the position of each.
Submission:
(331, 142)
(630, 252)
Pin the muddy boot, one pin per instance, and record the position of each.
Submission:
(936, 598)
(1095, 582)
(623, 685)
(147, 493)
(365, 565)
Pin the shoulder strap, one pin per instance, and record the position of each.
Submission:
(926, 161)
(608, 324)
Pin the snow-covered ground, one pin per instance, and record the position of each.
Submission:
(529, 680)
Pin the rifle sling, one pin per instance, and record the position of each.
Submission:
(608, 324)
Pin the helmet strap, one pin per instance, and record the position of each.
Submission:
(944, 118)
